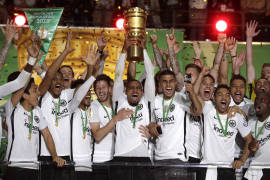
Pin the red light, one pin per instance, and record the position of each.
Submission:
(221, 25)
(120, 23)
(20, 20)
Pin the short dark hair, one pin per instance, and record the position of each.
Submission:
(102, 77)
(13, 76)
(133, 80)
(238, 77)
(210, 76)
(221, 86)
(266, 65)
(26, 91)
(191, 65)
(166, 72)
(67, 66)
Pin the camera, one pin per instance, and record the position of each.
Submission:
(188, 78)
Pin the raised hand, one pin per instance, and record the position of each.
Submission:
(33, 51)
(10, 30)
(197, 49)
(101, 42)
(153, 38)
(177, 47)
(221, 38)
(230, 43)
(68, 48)
(91, 56)
(199, 62)
(205, 70)
(251, 29)
(239, 60)
(171, 40)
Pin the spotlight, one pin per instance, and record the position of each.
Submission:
(221, 25)
(120, 23)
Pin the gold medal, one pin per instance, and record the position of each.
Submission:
(29, 137)
(56, 123)
(83, 135)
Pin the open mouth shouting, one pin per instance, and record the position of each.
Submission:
(223, 104)
(207, 93)
(237, 96)
(168, 91)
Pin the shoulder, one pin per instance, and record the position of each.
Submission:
(248, 101)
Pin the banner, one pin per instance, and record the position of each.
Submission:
(44, 21)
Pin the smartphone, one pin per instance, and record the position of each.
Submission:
(187, 78)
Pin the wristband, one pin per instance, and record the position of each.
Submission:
(32, 61)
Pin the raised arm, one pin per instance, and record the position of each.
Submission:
(90, 60)
(196, 107)
(171, 41)
(250, 33)
(45, 84)
(197, 84)
(215, 69)
(9, 34)
(158, 56)
(230, 48)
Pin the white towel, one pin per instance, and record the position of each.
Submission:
(253, 174)
(211, 173)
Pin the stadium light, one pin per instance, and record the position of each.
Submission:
(120, 23)
(19, 20)
(221, 25)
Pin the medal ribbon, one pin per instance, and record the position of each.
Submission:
(84, 123)
(57, 111)
(165, 114)
(261, 129)
(226, 125)
(134, 117)
(31, 125)
(107, 111)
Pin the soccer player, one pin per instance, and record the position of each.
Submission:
(131, 143)
(221, 131)
(260, 129)
(24, 122)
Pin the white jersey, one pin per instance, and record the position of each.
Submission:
(171, 143)
(223, 150)
(21, 147)
(248, 107)
(103, 150)
(195, 134)
(0, 130)
(60, 130)
(262, 154)
(129, 141)
(81, 140)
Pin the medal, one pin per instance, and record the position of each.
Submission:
(133, 118)
(84, 123)
(30, 125)
(57, 110)
(165, 110)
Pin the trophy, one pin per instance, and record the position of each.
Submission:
(135, 27)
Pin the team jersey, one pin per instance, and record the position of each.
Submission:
(23, 147)
(0, 130)
(248, 107)
(57, 112)
(171, 143)
(103, 150)
(224, 149)
(262, 154)
(81, 139)
(129, 141)
(59, 126)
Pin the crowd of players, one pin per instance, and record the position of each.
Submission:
(168, 119)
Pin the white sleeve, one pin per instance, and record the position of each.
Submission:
(207, 108)
(15, 85)
(9, 108)
(80, 93)
(182, 98)
(118, 85)
(100, 70)
(43, 123)
(149, 86)
(94, 114)
(242, 125)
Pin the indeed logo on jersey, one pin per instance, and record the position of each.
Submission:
(35, 129)
(262, 141)
(139, 117)
(166, 121)
(220, 132)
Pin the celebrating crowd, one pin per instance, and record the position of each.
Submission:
(169, 119)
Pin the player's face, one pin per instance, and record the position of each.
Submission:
(266, 73)
(262, 86)
(134, 92)
(222, 100)
(194, 74)
(57, 85)
(207, 88)
(238, 90)
(32, 97)
(87, 99)
(68, 76)
(102, 91)
(262, 104)
(167, 84)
